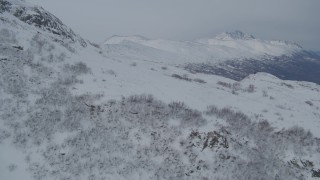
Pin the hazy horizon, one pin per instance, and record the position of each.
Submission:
(291, 20)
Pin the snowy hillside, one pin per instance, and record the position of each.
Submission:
(224, 47)
(132, 109)
(233, 55)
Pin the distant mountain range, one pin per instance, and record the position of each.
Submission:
(233, 55)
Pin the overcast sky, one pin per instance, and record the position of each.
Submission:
(96, 20)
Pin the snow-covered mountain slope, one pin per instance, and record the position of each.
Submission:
(233, 55)
(18, 14)
(247, 43)
(124, 111)
(225, 46)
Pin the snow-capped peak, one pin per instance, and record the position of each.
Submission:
(235, 35)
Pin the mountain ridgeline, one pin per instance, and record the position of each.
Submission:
(40, 18)
(233, 55)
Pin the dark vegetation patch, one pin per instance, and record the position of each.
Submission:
(303, 66)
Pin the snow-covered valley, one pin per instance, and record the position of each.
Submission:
(130, 108)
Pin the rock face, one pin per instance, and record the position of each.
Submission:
(40, 18)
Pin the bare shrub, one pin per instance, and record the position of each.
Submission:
(62, 57)
(188, 116)
(287, 85)
(54, 96)
(69, 80)
(236, 86)
(184, 77)
(78, 68)
(309, 103)
(199, 81)
(211, 140)
(13, 80)
(95, 45)
(264, 93)
(141, 98)
(176, 107)
(250, 88)
(112, 72)
(263, 135)
(164, 68)
(224, 84)
(12, 167)
(4, 135)
(133, 64)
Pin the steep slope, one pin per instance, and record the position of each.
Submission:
(74, 112)
(17, 13)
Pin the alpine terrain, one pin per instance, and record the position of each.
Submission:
(229, 107)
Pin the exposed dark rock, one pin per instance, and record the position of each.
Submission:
(40, 18)
(316, 173)
(303, 66)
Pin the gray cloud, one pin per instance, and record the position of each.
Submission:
(294, 20)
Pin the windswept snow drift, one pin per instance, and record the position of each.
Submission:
(129, 110)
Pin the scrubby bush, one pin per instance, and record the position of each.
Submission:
(250, 88)
(12, 167)
(287, 85)
(77, 69)
(264, 93)
(13, 80)
(112, 72)
(236, 86)
(183, 77)
(199, 81)
(4, 134)
(224, 84)
(269, 146)
(164, 68)
(309, 103)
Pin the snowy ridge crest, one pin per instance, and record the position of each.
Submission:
(38, 17)
(235, 35)
(226, 46)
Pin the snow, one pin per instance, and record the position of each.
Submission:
(13, 165)
(224, 47)
(236, 35)
(132, 65)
